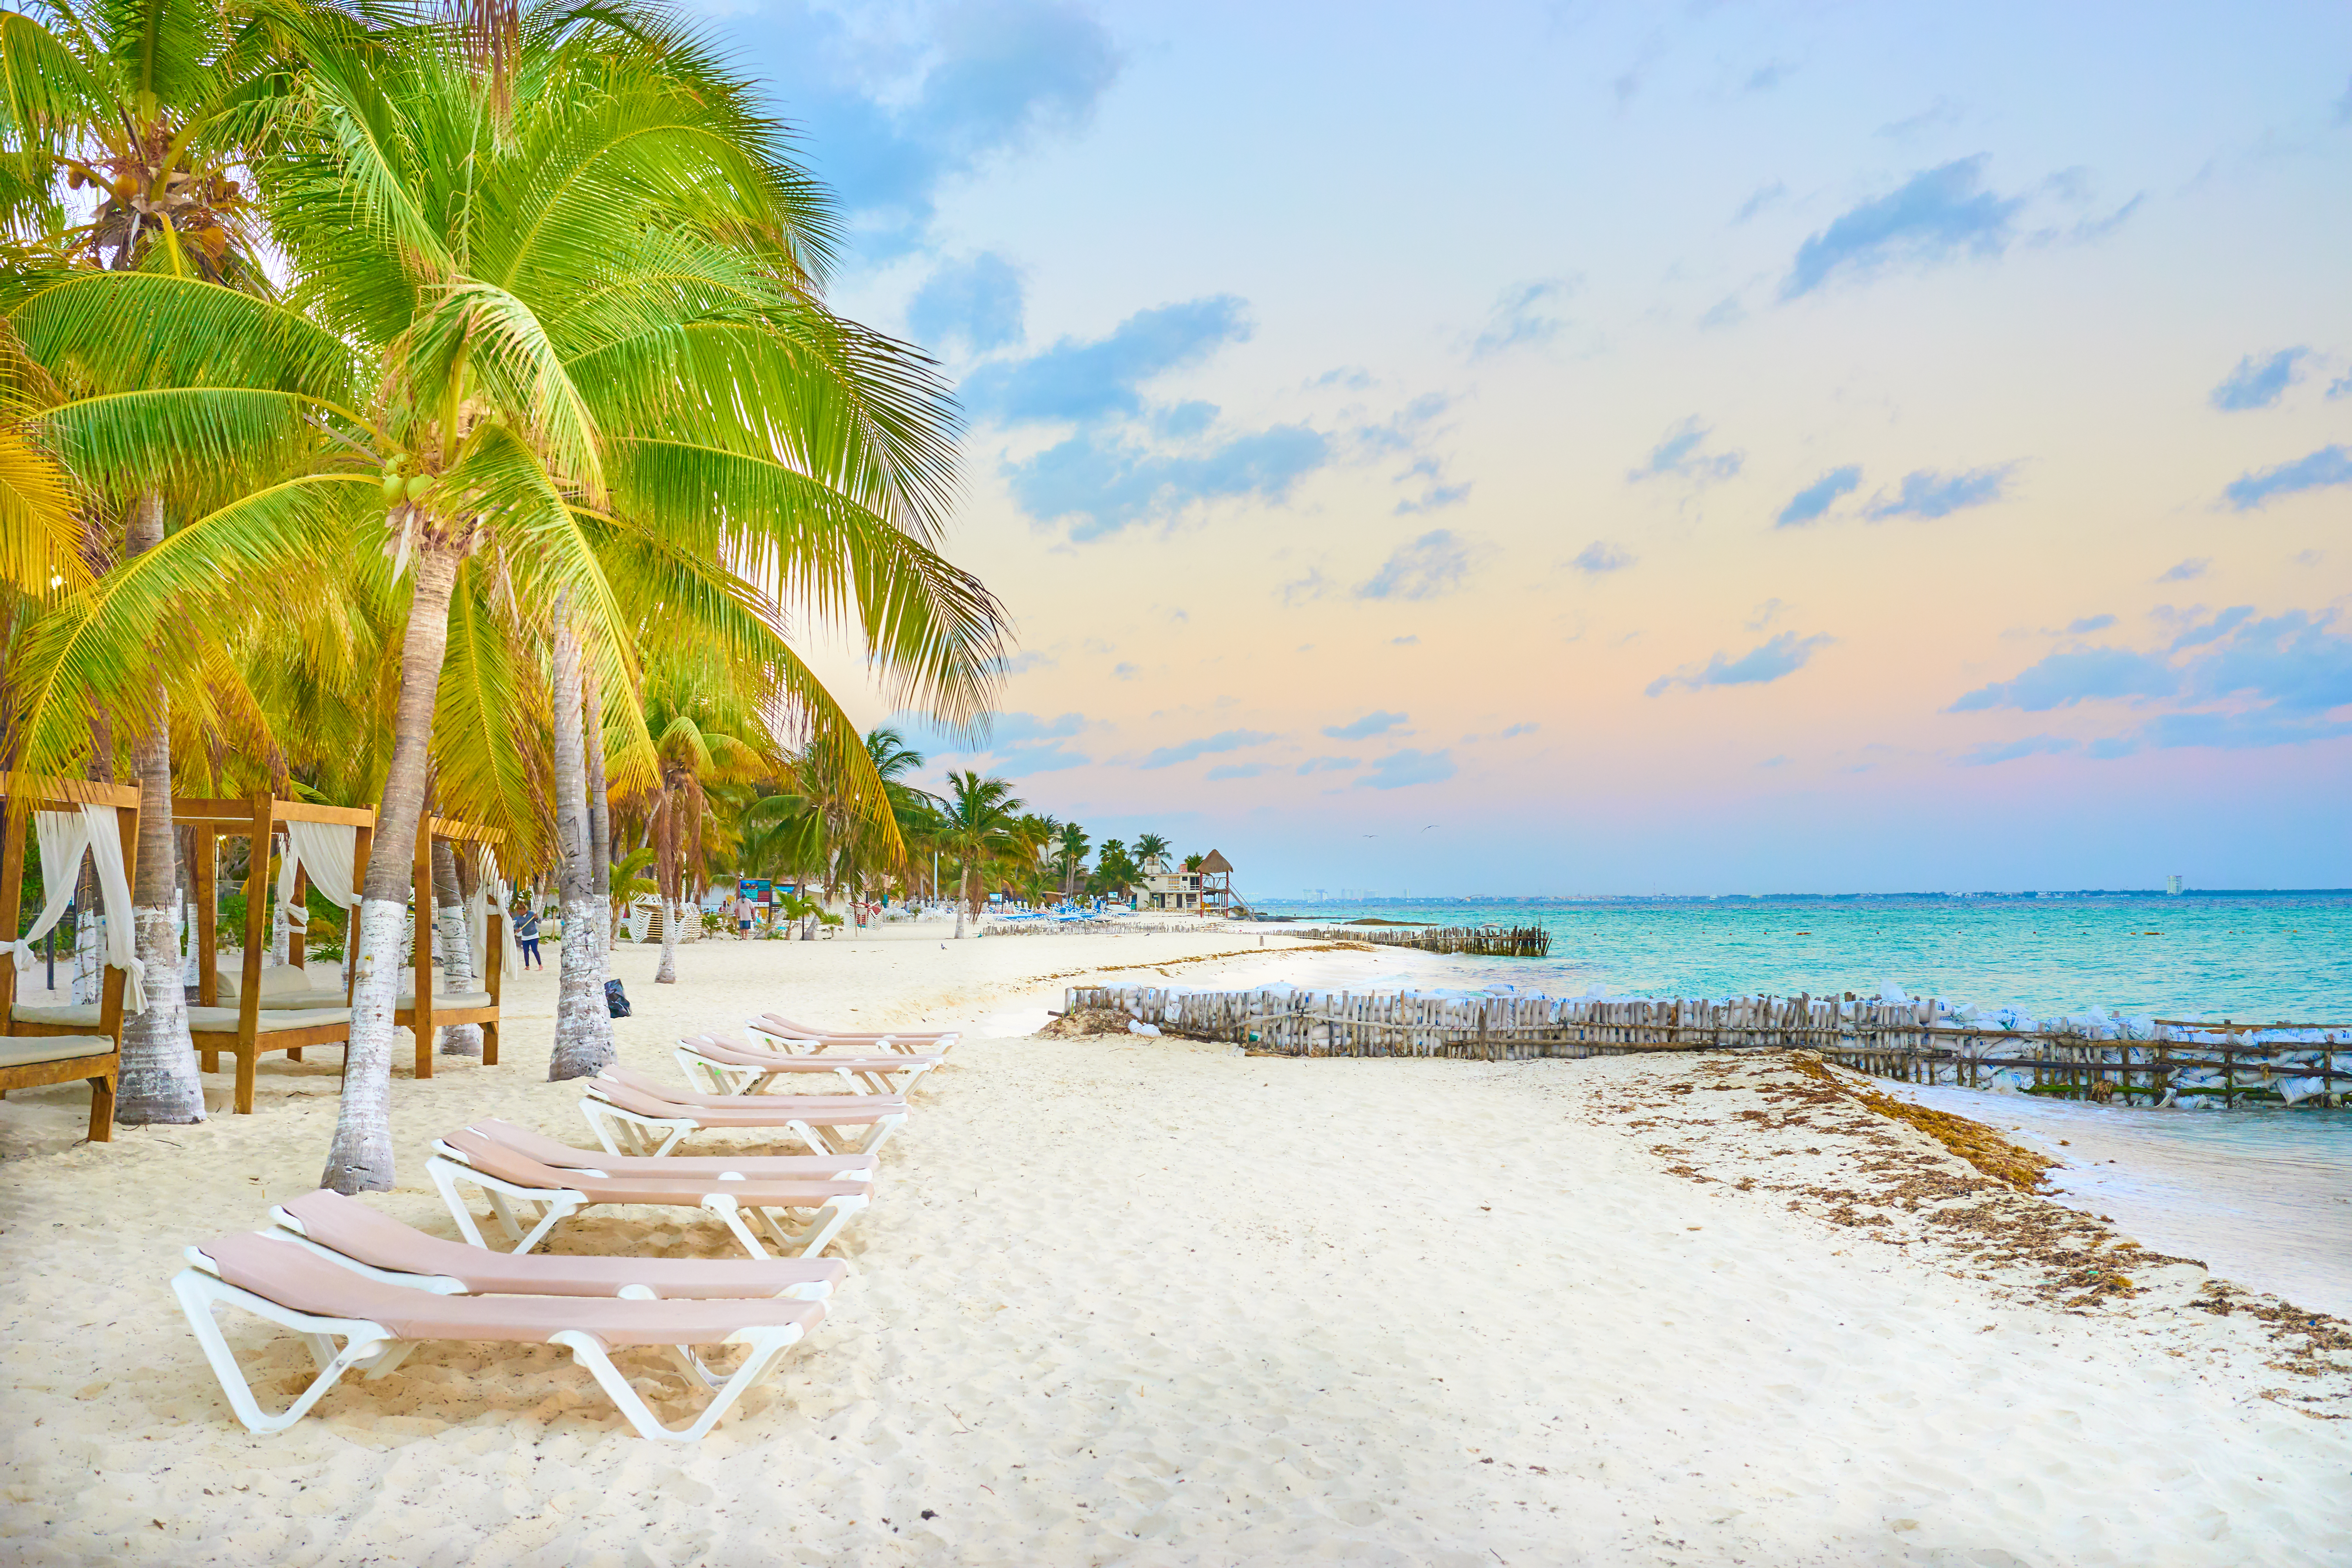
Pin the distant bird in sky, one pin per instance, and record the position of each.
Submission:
(1426, 830)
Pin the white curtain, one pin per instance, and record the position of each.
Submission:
(114, 887)
(491, 892)
(63, 836)
(324, 849)
(289, 865)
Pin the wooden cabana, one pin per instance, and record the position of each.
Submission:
(40, 1045)
(427, 1012)
(248, 1029)
(259, 1024)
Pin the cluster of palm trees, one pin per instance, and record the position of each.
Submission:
(994, 843)
(440, 409)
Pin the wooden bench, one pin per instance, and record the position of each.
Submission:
(31, 1061)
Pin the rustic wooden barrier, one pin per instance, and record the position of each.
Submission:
(1484, 941)
(1891, 1040)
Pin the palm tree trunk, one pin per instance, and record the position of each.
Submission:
(667, 973)
(457, 949)
(159, 1082)
(963, 874)
(583, 1025)
(669, 868)
(600, 809)
(360, 1160)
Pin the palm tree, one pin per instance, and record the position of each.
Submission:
(1150, 847)
(1115, 869)
(1071, 851)
(543, 334)
(710, 733)
(979, 829)
(146, 108)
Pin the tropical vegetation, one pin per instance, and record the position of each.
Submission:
(490, 492)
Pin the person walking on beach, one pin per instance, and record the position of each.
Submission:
(744, 911)
(527, 934)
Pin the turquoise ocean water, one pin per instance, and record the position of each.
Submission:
(2263, 956)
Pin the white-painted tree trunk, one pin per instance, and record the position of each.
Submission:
(667, 973)
(583, 1025)
(158, 1081)
(456, 951)
(87, 967)
(359, 1159)
(364, 1124)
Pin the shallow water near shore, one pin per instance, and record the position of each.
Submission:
(2247, 956)
(2262, 1196)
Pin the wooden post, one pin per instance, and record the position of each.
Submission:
(494, 954)
(249, 996)
(206, 878)
(12, 893)
(421, 1010)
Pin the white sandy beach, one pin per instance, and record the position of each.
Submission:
(1148, 1301)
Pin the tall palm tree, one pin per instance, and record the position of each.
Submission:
(1070, 850)
(709, 731)
(979, 831)
(543, 333)
(1150, 847)
(143, 112)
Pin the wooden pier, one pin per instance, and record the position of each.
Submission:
(1901, 1040)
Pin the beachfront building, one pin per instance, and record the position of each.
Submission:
(1162, 888)
(1208, 889)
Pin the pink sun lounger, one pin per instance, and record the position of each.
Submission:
(792, 1034)
(731, 1067)
(276, 1278)
(747, 1167)
(346, 1231)
(504, 1177)
(626, 1107)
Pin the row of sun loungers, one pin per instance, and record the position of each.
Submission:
(364, 1290)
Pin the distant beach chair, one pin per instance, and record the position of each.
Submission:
(623, 1107)
(276, 1278)
(746, 1167)
(792, 1034)
(730, 1067)
(504, 1177)
(345, 1231)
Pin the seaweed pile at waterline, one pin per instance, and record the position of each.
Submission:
(2088, 1056)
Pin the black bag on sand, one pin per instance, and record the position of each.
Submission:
(617, 1001)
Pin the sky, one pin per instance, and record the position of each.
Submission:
(1573, 449)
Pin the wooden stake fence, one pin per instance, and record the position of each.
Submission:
(1890, 1039)
(1484, 942)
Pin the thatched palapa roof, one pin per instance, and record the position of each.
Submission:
(1212, 861)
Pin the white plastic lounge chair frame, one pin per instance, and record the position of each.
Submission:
(636, 1132)
(769, 1030)
(375, 1349)
(450, 1170)
(863, 1074)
